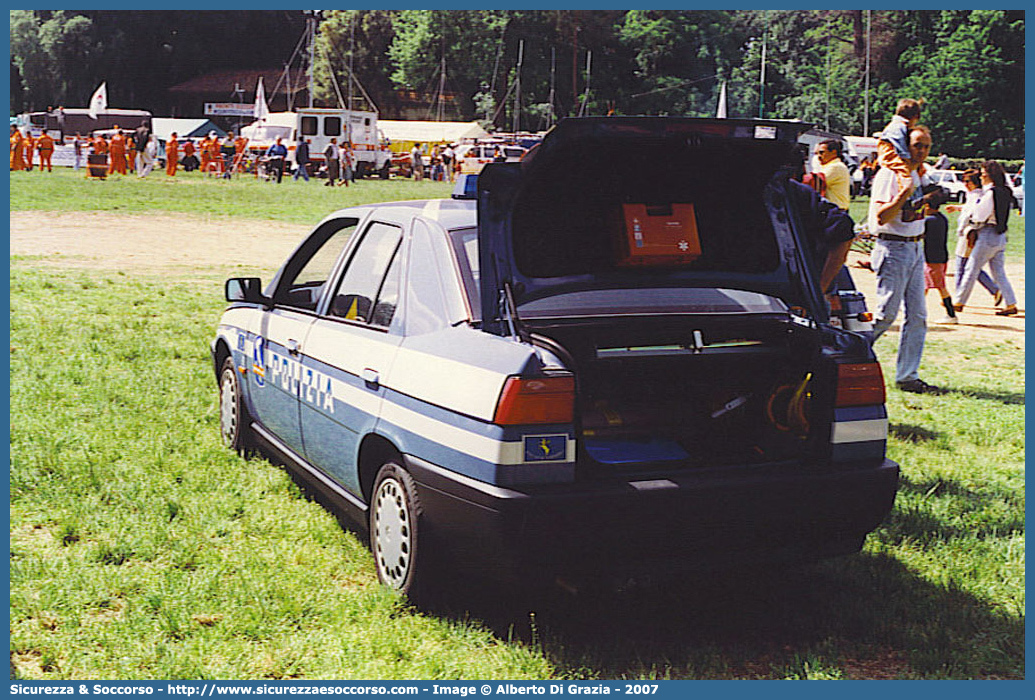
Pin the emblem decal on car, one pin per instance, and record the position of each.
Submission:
(546, 448)
(259, 361)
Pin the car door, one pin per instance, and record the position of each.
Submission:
(275, 378)
(349, 350)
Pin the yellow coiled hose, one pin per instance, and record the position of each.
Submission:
(787, 407)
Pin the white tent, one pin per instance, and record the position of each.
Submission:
(162, 127)
(429, 132)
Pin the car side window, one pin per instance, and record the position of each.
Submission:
(363, 278)
(388, 297)
(307, 273)
(464, 243)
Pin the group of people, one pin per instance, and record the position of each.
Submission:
(339, 162)
(442, 163)
(910, 254)
(120, 152)
(24, 146)
(211, 154)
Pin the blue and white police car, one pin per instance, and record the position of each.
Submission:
(612, 354)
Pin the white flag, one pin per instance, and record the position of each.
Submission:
(261, 108)
(720, 113)
(99, 101)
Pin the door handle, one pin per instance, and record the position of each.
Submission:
(372, 377)
(293, 346)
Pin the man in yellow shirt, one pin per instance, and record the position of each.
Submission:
(839, 181)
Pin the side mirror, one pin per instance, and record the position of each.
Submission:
(245, 289)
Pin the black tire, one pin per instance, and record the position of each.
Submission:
(234, 421)
(396, 525)
(385, 171)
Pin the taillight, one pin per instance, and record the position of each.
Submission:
(860, 385)
(536, 400)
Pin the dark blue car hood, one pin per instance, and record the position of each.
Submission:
(549, 226)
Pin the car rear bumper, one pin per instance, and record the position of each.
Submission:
(696, 520)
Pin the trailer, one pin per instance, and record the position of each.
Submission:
(65, 123)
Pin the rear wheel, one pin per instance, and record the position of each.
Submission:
(395, 532)
(234, 421)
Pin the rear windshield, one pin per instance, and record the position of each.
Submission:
(464, 243)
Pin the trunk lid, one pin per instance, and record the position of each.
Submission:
(617, 209)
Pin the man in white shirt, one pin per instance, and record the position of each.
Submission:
(835, 172)
(898, 260)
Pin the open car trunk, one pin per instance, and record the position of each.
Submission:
(662, 261)
(639, 202)
(692, 391)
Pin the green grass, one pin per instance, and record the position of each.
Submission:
(141, 548)
(245, 196)
(1015, 237)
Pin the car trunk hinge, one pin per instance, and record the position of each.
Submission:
(508, 311)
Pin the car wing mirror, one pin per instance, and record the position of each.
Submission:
(246, 289)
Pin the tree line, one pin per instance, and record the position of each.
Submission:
(525, 69)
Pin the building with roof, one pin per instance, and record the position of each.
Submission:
(285, 90)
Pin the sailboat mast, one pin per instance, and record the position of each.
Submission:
(553, 81)
(517, 91)
(311, 27)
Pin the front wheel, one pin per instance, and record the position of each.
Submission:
(234, 422)
(395, 532)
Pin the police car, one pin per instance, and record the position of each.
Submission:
(610, 355)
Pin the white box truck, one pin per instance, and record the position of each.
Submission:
(319, 125)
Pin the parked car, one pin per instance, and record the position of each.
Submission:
(595, 367)
(952, 180)
(1014, 180)
(473, 157)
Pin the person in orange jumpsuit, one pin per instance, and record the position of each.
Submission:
(17, 144)
(215, 158)
(240, 145)
(117, 163)
(172, 155)
(203, 151)
(131, 152)
(28, 149)
(45, 145)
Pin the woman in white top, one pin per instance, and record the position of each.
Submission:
(972, 181)
(991, 214)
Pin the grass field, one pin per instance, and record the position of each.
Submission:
(244, 196)
(141, 549)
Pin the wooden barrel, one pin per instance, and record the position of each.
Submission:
(97, 165)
